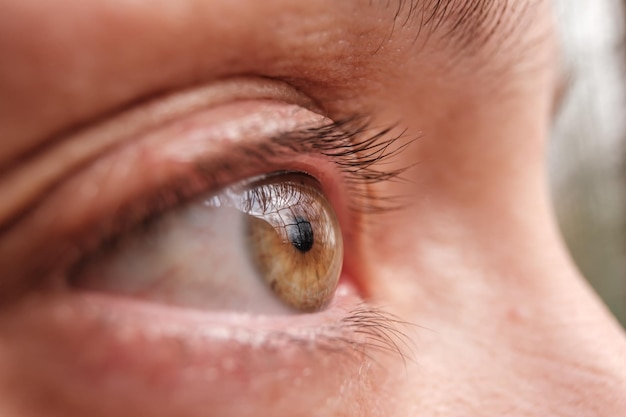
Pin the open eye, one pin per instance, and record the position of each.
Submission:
(274, 237)
(294, 240)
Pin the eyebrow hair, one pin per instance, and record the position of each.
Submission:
(465, 23)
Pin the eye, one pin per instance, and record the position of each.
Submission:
(266, 245)
(294, 240)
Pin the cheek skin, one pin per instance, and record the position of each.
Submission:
(140, 353)
(477, 259)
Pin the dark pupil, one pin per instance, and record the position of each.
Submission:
(300, 234)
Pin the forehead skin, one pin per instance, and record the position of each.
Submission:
(64, 68)
(64, 65)
(505, 324)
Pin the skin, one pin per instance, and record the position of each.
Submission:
(497, 319)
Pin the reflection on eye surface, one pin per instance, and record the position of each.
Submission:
(295, 241)
(230, 251)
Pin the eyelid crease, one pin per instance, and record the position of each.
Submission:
(351, 145)
(24, 186)
(358, 151)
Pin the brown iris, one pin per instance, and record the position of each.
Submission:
(234, 250)
(294, 239)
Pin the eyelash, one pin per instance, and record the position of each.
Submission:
(351, 144)
(362, 331)
(359, 151)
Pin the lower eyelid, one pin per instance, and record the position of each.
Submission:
(130, 340)
(150, 347)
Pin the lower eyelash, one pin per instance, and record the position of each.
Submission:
(364, 332)
(380, 331)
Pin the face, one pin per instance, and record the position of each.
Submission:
(288, 208)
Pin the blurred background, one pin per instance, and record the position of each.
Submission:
(588, 149)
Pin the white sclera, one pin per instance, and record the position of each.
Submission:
(195, 257)
(229, 252)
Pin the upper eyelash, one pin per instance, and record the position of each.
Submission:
(352, 145)
(360, 152)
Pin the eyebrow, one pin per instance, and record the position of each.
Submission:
(464, 23)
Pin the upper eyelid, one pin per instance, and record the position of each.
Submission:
(356, 149)
(207, 173)
(341, 143)
(25, 182)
